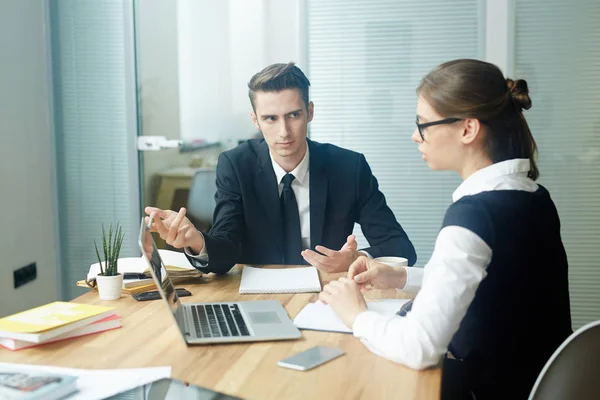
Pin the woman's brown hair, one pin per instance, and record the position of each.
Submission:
(477, 89)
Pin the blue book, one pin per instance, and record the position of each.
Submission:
(23, 385)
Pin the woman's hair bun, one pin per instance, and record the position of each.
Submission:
(520, 93)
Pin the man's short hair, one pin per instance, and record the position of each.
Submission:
(277, 77)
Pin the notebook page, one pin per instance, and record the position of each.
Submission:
(175, 258)
(282, 280)
(321, 317)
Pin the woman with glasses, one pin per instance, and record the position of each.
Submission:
(493, 300)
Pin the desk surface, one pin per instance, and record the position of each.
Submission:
(148, 338)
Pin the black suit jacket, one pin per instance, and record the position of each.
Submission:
(247, 222)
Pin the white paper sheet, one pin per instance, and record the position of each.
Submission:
(175, 258)
(321, 317)
(280, 280)
(102, 383)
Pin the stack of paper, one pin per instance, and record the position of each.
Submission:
(53, 322)
(319, 316)
(282, 280)
(176, 263)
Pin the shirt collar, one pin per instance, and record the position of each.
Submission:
(493, 176)
(299, 172)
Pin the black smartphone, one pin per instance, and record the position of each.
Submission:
(154, 295)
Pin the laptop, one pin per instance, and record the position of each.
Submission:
(222, 322)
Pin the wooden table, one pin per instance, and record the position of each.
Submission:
(148, 339)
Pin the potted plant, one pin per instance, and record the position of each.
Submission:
(110, 281)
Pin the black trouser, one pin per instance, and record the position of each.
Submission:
(454, 381)
(480, 383)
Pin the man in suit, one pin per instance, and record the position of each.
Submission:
(280, 197)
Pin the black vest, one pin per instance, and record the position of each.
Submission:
(520, 313)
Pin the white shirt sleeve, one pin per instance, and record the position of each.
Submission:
(414, 280)
(451, 277)
(366, 254)
(202, 256)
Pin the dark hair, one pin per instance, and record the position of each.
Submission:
(477, 89)
(278, 77)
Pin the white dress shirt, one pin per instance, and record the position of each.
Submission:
(300, 186)
(446, 286)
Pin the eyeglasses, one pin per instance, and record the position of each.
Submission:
(422, 127)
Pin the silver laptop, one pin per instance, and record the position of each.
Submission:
(200, 323)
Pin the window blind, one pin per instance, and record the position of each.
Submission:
(556, 51)
(365, 60)
(94, 106)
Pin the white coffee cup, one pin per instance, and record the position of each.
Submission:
(393, 261)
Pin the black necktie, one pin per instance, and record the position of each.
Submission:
(292, 240)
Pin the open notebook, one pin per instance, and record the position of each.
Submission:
(319, 316)
(283, 280)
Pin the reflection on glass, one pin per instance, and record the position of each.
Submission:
(194, 59)
(158, 269)
(171, 389)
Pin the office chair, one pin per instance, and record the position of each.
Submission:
(201, 198)
(573, 371)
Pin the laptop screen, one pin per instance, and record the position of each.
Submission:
(157, 267)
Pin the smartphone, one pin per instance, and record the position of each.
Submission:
(313, 357)
(154, 295)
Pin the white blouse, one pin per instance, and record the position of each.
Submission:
(446, 286)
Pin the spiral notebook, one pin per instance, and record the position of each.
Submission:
(282, 280)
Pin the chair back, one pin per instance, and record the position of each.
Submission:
(573, 371)
(201, 199)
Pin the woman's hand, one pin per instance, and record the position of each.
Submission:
(369, 273)
(345, 298)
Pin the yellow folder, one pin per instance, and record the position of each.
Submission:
(49, 316)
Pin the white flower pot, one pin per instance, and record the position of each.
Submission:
(109, 287)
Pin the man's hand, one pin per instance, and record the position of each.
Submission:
(345, 299)
(332, 260)
(372, 274)
(176, 229)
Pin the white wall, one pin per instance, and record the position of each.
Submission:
(204, 68)
(285, 33)
(158, 88)
(221, 45)
(26, 157)
(500, 34)
(158, 85)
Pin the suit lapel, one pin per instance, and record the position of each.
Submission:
(317, 195)
(267, 191)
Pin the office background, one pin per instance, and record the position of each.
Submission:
(80, 78)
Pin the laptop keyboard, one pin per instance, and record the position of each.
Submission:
(218, 320)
